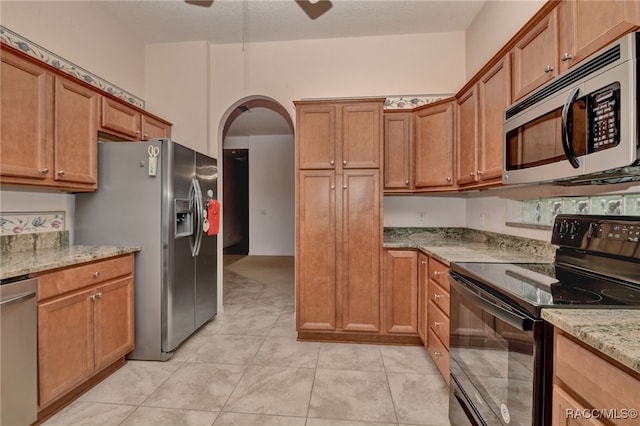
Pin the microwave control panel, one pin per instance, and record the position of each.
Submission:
(604, 118)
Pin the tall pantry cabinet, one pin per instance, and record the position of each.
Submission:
(338, 217)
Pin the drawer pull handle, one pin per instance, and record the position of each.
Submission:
(96, 274)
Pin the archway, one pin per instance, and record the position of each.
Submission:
(258, 178)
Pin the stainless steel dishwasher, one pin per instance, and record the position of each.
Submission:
(18, 352)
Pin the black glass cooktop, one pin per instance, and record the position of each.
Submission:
(534, 286)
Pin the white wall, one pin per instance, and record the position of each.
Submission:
(496, 23)
(424, 211)
(271, 195)
(345, 67)
(177, 89)
(80, 33)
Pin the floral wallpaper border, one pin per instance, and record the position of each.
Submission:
(14, 223)
(410, 102)
(32, 49)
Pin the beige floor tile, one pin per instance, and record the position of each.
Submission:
(287, 352)
(407, 359)
(223, 349)
(272, 390)
(420, 398)
(148, 416)
(238, 419)
(351, 395)
(285, 326)
(197, 386)
(347, 356)
(131, 384)
(250, 324)
(82, 413)
(334, 422)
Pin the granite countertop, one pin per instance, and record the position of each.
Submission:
(23, 254)
(614, 332)
(462, 245)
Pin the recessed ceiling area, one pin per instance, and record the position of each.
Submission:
(236, 21)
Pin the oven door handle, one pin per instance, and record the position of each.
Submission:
(567, 128)
(481, 299)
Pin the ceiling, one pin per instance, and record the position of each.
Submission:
(250, 21)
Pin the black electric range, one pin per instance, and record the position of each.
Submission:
(597, 265)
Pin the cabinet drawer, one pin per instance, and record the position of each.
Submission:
(438, 323)
(439, 354)
(73, 278)
(439, 296)
(599, 383)
(439, 272)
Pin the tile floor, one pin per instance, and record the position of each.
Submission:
(246, 368)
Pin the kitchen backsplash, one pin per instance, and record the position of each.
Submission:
(543, 211)
(12, 223)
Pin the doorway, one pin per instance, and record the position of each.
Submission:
(236, 205)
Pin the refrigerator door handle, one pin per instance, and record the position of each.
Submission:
(198, 216)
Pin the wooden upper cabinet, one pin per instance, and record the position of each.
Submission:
(316, 133)
(535, 58)
(119, 118)
(75, 141)
(587, 26)
(433, 149)
(153, 128)
(23, 126)
(494, 92)
(361, 133)
(361, 249)
(398, 138)
(467, 140)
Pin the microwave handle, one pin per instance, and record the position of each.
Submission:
(567, 128)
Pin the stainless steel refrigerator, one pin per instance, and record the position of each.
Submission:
(155, 194)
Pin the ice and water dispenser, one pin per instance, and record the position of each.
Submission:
(184, 217)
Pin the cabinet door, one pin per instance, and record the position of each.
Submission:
(113, 321)
(361, 250)
(23, 127)
(587, 26)
(316, 235)
(361, 135)
(154, 129)
(65, 344)
(494, 90)
(535, 57)
(121, 119)
(467, 140)
(562, 404)
(423, 296)
(316, 133)
(433, 157)
(397, 150)
(76, 133)
(401, 291)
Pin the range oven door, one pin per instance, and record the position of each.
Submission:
(496, 359)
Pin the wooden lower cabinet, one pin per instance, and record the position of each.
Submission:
(401, 291)
(438, 316)
(585, 380)
(84, 330)
(423, 296)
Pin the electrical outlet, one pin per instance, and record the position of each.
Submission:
(422, 217)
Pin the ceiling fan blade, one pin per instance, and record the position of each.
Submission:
(314, 9)
(201, 3)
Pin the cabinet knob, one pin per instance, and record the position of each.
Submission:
(437, 354)
(566, 57)
(479, 172)
(96, 296)
(344, 162)
(344, 187)
(448, 178)
(548, 69)
(146, 135)
(60, 172)
(472, 174)
(436, 273)
(137, 132)
(44, 171)
(332, 162)
(96, 274)
(437, 296)
(423, 262)
(437, 324)
(333, 187)
(406, 182)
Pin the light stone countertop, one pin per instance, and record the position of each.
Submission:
(614, 332)
(28, 262)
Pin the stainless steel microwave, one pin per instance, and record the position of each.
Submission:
(581, 127)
